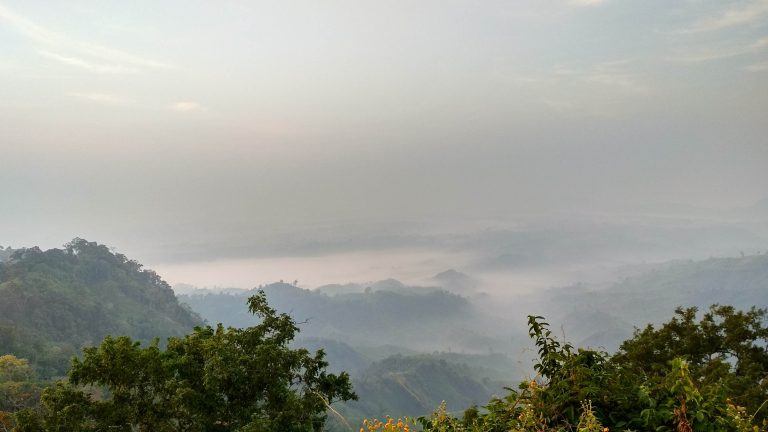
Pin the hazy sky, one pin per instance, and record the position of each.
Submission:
(152, 125)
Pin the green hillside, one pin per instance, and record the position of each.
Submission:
(391, 381)
(415, 385)
(56, 301)
(373, 332)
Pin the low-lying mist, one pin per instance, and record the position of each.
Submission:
(595, 279)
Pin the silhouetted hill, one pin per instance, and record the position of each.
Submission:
(605, 317)
(340, 356)
(425, 318)
(53, 302)
(381, 285)
(456, 282)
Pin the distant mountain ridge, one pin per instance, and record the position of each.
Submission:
(388, 316)
(456, 282)
(605, 317)
(389, 284)
(384, 336)
(56, 301)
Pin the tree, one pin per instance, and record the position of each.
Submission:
(18, 388)
(214, 379)
(705, 376)
(725, 347)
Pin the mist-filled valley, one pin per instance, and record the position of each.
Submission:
(454, 336)
(626, 276)
(400, 216)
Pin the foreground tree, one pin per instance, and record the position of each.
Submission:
(19, 389)
(725, 348)
(18, 386)
(706, 375)
(214, 379)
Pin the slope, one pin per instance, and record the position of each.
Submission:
(56, 301)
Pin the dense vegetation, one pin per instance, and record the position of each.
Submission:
(19, 387)
(392, 380)
(54, 302)
(414, 385)
(694, 373)
(211, 380)
(702, 371)
(686, 375)
(379, 334)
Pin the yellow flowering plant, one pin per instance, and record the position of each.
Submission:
(391, 425)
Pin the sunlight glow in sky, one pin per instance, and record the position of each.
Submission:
(158, 125)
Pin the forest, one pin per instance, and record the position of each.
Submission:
(92, 341)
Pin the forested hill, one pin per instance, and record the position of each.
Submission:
(415, 385)
(5, 253)
(652, 296)
(53, 302)
(417, 318)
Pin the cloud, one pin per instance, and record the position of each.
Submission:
(90, 66)
(187, 106)
(758, 67)
(29, 28)
(737, 16)
(587, 3)
(559, 105)
(597, 90)
(613, 74)
(709, 54)
(56, 43)
(101, 98)
(121, 56)
(619, 80)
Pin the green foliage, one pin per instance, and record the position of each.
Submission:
(551, 354)
(19, 387)
(724, 349)
(588, 391)
(56, 301)
(214, 379)
(588, 422)
(413, 385)
(652, 391)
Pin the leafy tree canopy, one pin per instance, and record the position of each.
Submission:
(214, 379)
(18, 386)
(690, 374)
(724, 347)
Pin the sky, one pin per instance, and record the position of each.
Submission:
(158, 127)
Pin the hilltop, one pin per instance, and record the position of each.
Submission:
(387, 312)
(54, 302)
